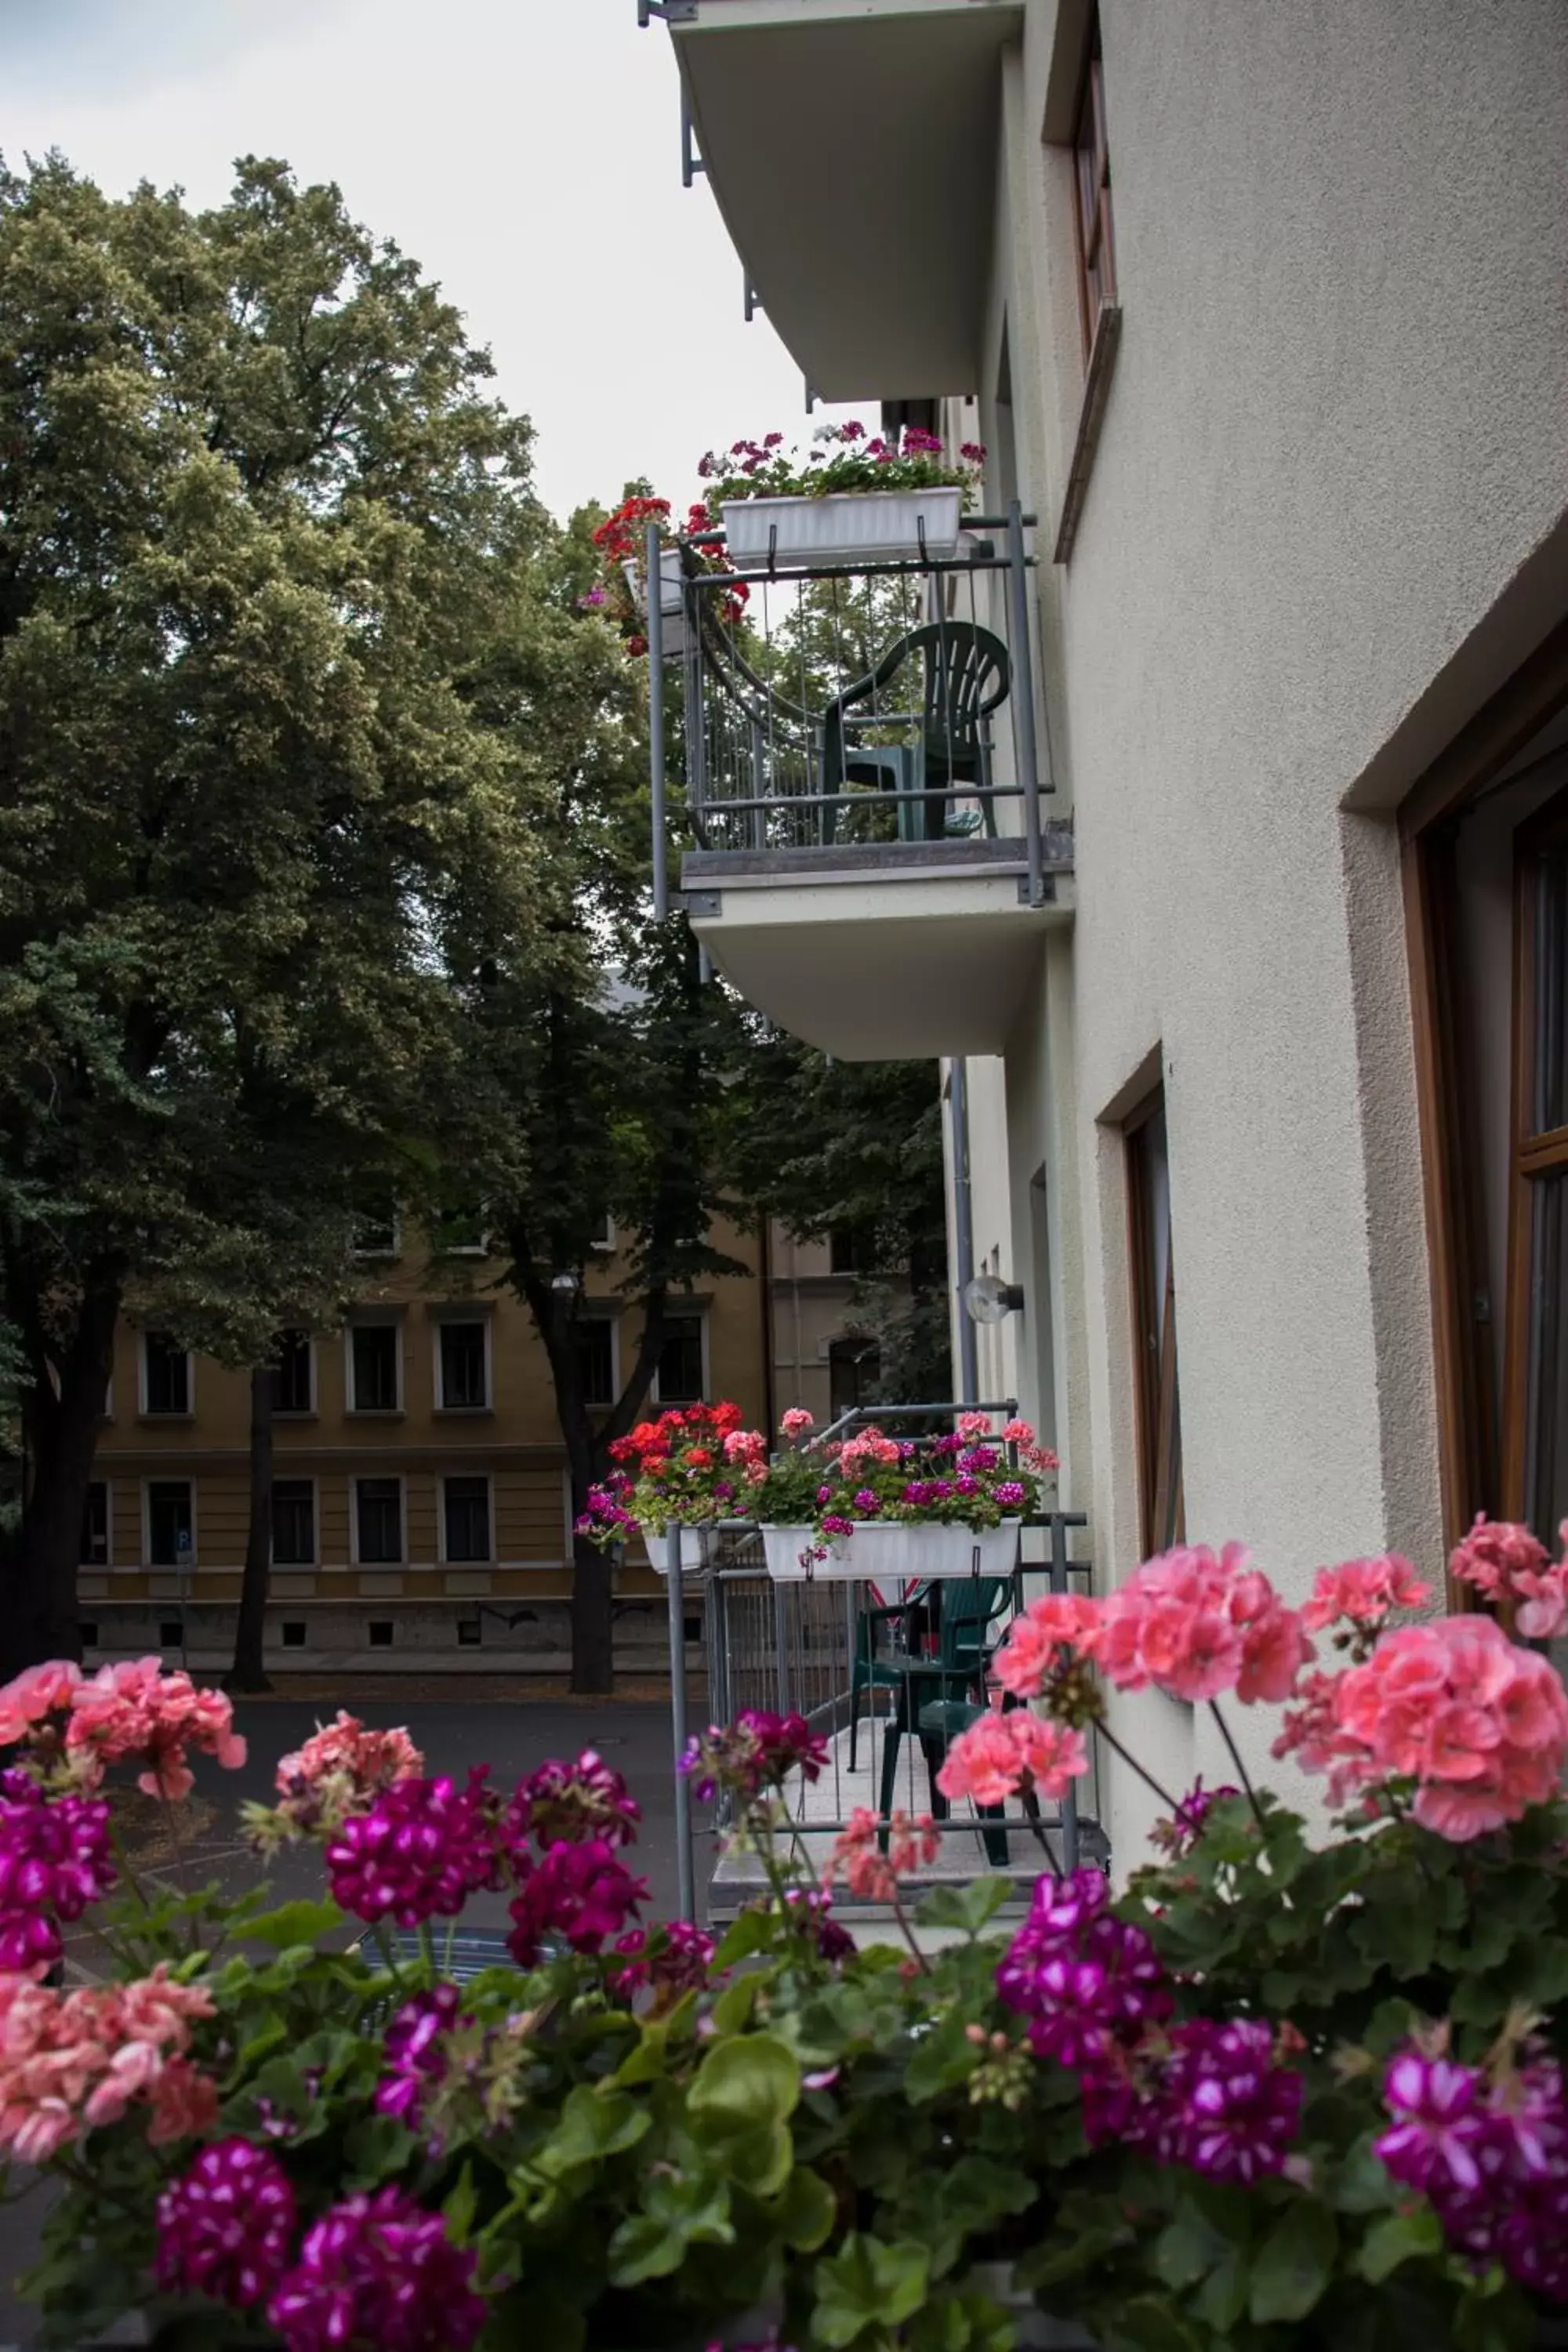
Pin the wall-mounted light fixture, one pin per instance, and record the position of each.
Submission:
(989, 1300)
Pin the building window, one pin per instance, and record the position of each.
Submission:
(463, 1367)
(595, 1344)
(374, 1367)
(293, 1374)
(293, 1523)
(1536, 1427)
(854, 1367)
(460, 1233)
(171, 1523)
(165, 1375)
(852, 1249)
(376, 1233)
(95, 1526)
(466, 1510)
(604, 1239)
(680, 1367)
(1155, 1329)
(1485, 837)
(378, 1517)
(1091, 173)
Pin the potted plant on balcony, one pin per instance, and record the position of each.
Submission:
(852, 500)
(885, 1508)
(621, 594)
(686, 1470)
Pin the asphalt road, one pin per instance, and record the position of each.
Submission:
(455, 1732)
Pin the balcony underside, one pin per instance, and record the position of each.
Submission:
(900, 951)
(851, 145)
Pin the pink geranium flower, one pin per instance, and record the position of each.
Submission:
(1197, 1625)
(135, 1710)
(992, 1759)
(37, 1692)
(1364, 1591)
(1036, 1641)
(1480, 1725)
(70, 2062)
(1507, 1563)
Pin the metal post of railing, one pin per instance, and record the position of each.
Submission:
(685, 1876)
(781, 1642)
(1070, 1795)
(963, 1233)
(654, 587)
(1024, 697)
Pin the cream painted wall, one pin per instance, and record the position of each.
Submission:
(1334, 443)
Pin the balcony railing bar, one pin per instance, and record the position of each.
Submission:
(889, 569)
(887, 797)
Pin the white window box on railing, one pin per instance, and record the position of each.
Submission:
(671, 599)
(856, 527)
(885, 1550)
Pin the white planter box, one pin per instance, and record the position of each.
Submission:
(671, 599)
(692, 1550)
(859, 526)
(884, 1551)
(781, 1549)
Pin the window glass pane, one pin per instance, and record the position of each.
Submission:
(168, 1375)
(1149, 1175)
(460, 1233)
(291, 1374)
(95, 1527)
(375, 1232)
(463, 1364)
(680, 1362)
(853, 1369)
(375, 1367)
(168, 1522)
(1546, 1424)
(1550, 1108)
(467, 1507)
(378, 1504)
(596, 1361)
(293, 1522)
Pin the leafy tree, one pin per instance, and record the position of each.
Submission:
(600, 1065)
(254, 500)
(855, 1147)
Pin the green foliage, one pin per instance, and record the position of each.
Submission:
(260, 513)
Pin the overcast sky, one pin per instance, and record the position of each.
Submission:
(526, 153)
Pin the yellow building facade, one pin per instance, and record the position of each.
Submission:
(422, 1513)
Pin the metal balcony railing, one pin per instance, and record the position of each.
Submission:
(804, 1647)
(834, 708)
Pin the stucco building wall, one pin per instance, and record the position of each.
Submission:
(1334, 447)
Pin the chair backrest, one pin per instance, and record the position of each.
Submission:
(967, 674)
(968, 1605)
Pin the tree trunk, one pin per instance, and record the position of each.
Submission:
(593, 1610)
(249, 1672)
(39, 1619)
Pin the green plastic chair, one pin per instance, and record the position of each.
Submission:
(969, 1606)
(869, 1674)
(967, 675)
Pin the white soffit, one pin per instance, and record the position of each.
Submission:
(851, 146)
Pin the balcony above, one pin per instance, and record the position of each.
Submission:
(871, 860)
(851, 145)
(900, 951)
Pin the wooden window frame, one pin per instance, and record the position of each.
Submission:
(1532, 1153)
(1094, 236)
(1161, 1513)
(1471, 1444)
